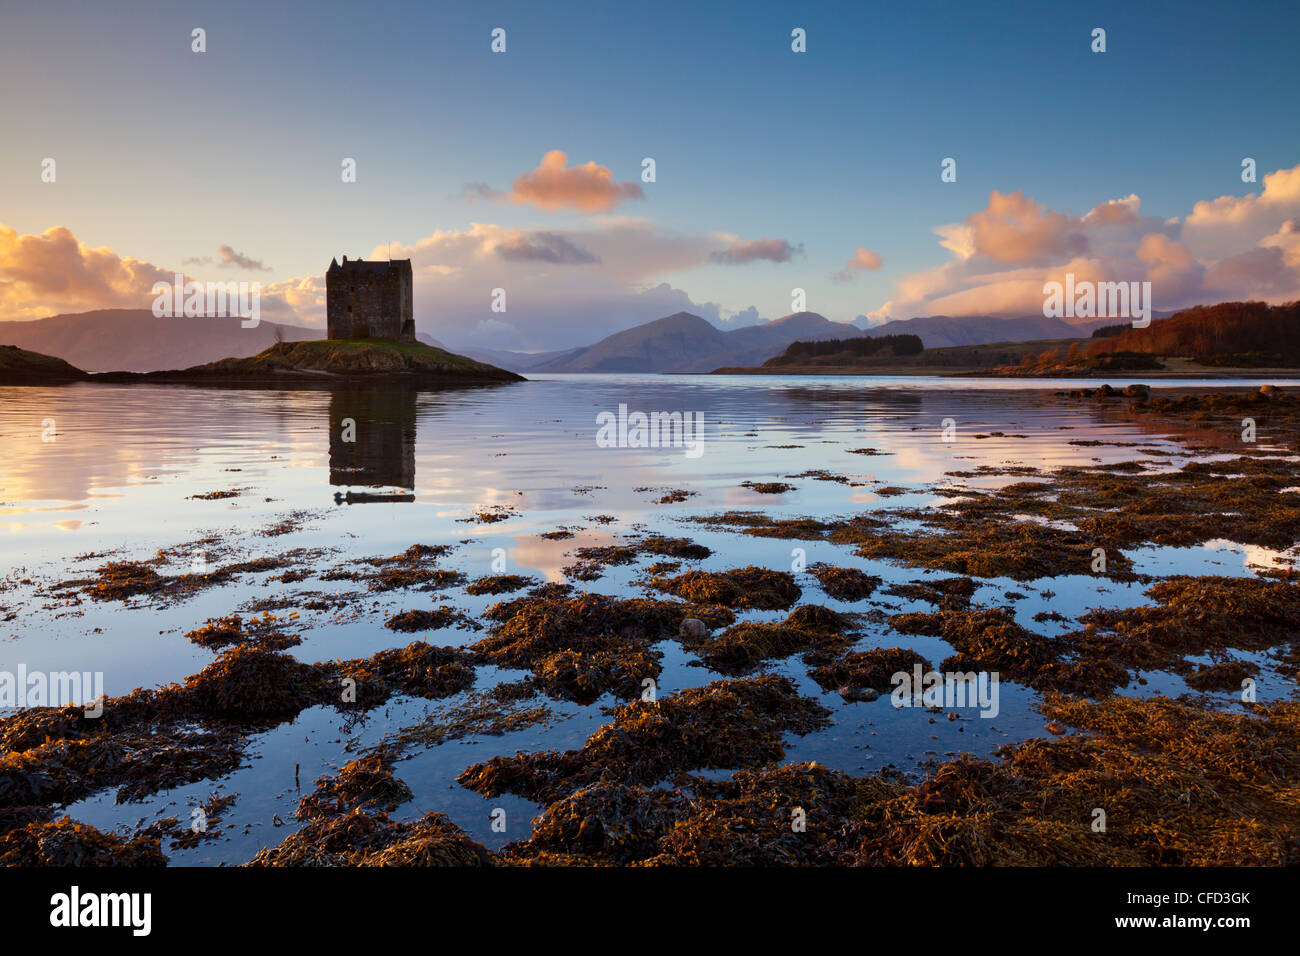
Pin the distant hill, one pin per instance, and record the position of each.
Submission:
(518, 361)
(687, 343)
(134, 340)
(946, 331)
(830, 353)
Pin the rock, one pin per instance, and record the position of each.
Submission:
(1104, 391)
(693, 627)
(1268, 390)
(858, 693)
(1137, 391)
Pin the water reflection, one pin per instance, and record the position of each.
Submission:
(372, 444)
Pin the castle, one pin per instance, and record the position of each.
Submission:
(369, 300)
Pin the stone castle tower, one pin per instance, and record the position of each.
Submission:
(369, 300)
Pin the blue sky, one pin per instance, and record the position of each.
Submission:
(164, 155)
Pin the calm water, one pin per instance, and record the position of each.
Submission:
(92, 473)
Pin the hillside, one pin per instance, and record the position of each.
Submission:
(687, 343)
(21, 367)
(1237, 334)
(326, 360)
(657, 346)
(134, 340)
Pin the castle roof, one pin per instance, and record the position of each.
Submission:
(372, 267)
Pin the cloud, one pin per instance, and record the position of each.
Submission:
(1230, 248)
(54, 273)
(298, 301)
(481, 192)
(741, 251)
(230, 259)
(745, 317)
(863, 259)
(1014, 229)
(544, 247)
(587, 188)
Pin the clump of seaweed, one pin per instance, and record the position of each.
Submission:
(748, 643)
(500, 584)
(1225, 675)
(768, 487)
(844, 584)
(366, 783)
(731, 723)
(582, 646)
(444, 615)
(120, 580)
(263, 632)
(68, 843)
(583, 676)
(413, 567)
(759, 525)
(592, 561)
(347, 823)
(1193, 616)
(607, 822)
(870, 670)
(489, 514)
(418, 670)
(810, 627)
(219, 632)
(252, 682)
(748, 587)
(985, 639)
(949, 594)
(672, 547)
(1023, 550)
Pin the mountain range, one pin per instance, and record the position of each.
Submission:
(687, 343)
(135, 340)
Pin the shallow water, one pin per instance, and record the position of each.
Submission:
(93, 473)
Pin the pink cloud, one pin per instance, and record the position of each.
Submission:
(864, 260)
(55, 272)
(586, 188)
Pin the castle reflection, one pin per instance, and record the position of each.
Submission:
(372, 444)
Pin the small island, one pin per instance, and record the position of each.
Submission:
(329, 361)
(21, 367)
(371, 341)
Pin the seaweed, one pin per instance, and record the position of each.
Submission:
(730, 723)
(748, 587)
(844, 584)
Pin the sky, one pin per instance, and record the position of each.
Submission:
(774, 169)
